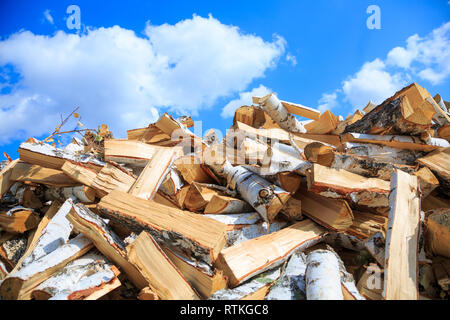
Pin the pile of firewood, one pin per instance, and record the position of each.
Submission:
(279, 208)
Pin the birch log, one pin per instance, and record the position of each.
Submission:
(5, 177)
(279, 113)
(20, 284)
(54, 235)
(323, 279)
(81, 193)
(400, 274)
(79, 279)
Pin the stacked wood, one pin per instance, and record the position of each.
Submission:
(281, 209)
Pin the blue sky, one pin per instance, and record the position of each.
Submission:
(133, 60)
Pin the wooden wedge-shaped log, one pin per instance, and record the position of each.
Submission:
(326, 123)
(370, 192)
(198, 197)
(204, 279)
(131, 152)
(279, 113)
(427, 181)
(106, 241)
(47, 156)
(37, 174)
(200, 237)
(439, 162)
(437, 234)
(18, 220)
(154, 173)
(193, 170)
(334, 214)
(159, 270)
(366, 224)
(86, 278)
(402, 238)
(19, 285)
(247, 259)
(113, 177)
(5, 177)
(407, 112)
(220, 204)
(79, 172)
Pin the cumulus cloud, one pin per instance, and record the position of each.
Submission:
(48, 16)
(426, 58)
(328, 101)
(372, 82)
(245, 98)
(292, 59)
(121, 79)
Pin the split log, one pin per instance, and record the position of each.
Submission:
(366, 224)
(193, 170)
(407, 112)
(433, 201)
(376, 245)
(397, 141)
(81, 193)
(34, 239)
(370, 192)
(160, 272)
(437, 232)
(112, 177)
(18, 220)
(106, 241)
(444, 132)
(347, 241)
(220, 204)
(199, 236)
(252, 231)
(153, 174)
(53, 235)
(12, 250)
(198, 197)
(334, 214)
(18, 285)
(79, 172)
(132, 152)
(400, 275)
(381, 153)
(3, 271)
(278, 112)
(350, 120)
(320, 153)
(5, 177)
(301, 110)
(266, 198)
(323, 279)
(292, 209)
(369, 107)
(172, 183)
(326, 123)
(47, 156)
(203, 278)
(427, 181)
(250, 115)
(247, 259)
(439, 162)
(85, 278)
(330, 139)
(236, 220)
(254, 289)
(365, 167)
(291, 284)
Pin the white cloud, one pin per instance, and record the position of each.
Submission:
(328, 101)
(245, 98)
(371, 82)
(48, 16)
(121, 79)
(292, 59)
(428, 57)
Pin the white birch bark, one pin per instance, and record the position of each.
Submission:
(280, 115)
(323, 279)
